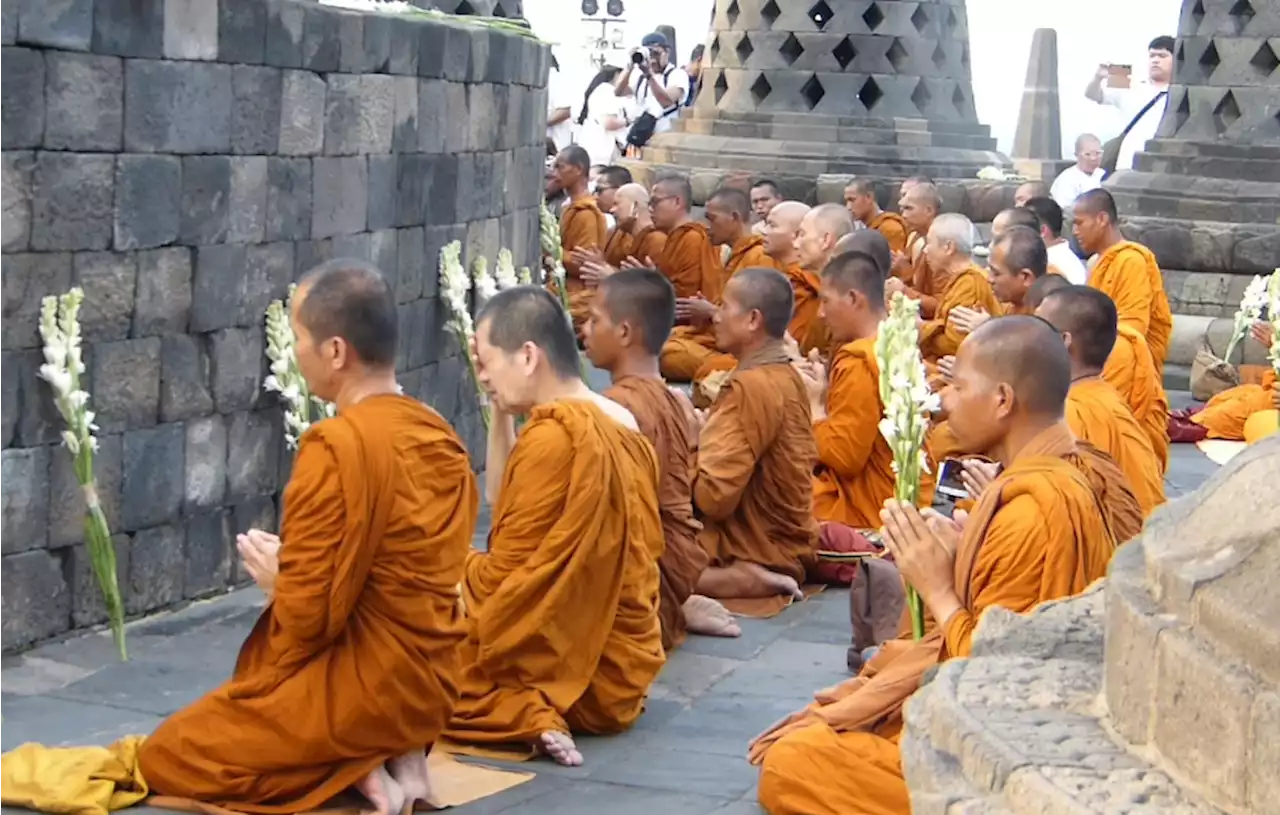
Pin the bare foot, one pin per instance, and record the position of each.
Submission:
(781, 583)
(560, 747)
(410, 772)
(704, 615)
(383, 792)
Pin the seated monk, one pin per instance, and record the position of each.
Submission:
(1028, 190)
(688, 259)
(1125, 271)
(920, 206)
(582, 226)
(860, 200)
(630, 320)
(1035, 535)
(1087, 320)
(752, 485)
(606, 183)
(633, 236)
(765, 195)
(1224, 415)
(1018, 259)
(562, 610)
(362, 595)
(815, 244)
(871, 243)
(690, 353)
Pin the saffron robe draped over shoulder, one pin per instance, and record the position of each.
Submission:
(854, 475)
(355, 660)
(617, 248)
(562, 610)
(582, 226)
(753, 487)
(1128, 274)
(894, 229)
(648, 244)
(968, 289)
(806, 327)
(1096, 414)
(690, 262)
(1130, 371)
(1225, 414)
(661, 418)
(1036, 535)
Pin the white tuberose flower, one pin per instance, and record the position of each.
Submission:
(504, 271)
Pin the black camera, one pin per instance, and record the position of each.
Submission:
(641, 55)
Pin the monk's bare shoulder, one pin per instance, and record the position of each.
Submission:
(615, 411)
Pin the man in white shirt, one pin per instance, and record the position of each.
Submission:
(560, 99)
(1086, 174)
(1141, 107)
(1061, 256)
(660, 88)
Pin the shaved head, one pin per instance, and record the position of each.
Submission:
(1024, 249)
(789, 214)
(1089, 316)
(767, 291)
(675, 185)
(732, 200)
(832, 219)
(1043, 287)
(856, 271)
(1029, 190)
(1097, 202)
(1028, 355)
(634, 192)
(645, 299)
(1049, 213)
(1014, 216)
(780, 228)
(575, 156)
(861, 186)
(350, 299)
(531, 315)
(615, 176)
(926, 195)
(871, 243)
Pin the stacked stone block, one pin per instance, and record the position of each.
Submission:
(184, 161)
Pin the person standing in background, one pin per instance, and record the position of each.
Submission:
(602, 123)
(1141, 106)
(559, 107)
(1086, 174)
(694, 70)
(660, 88)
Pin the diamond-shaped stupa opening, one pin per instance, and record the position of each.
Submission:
(1181, 112)
(1209, 59)
(812, 91)
(732, 12)
(870, 93)
(845, 53)
(770, 13)
(959, 100)
(952, 20)
(1197, 13)
(498, 10)
(821, 14)
(873, 16)
(1242, 13)
(1265, 60)
(715, 49)
(760, 89)
(920, 19)
(721, 87)
(897, 55)
(939, 56)
(465, 8)
(921, 97)
(791, 50)
(744, 49)
(1226, 113)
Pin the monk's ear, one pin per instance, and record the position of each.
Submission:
(1066, 339)
(1004, 401)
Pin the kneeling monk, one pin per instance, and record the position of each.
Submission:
(752, 485)
(562, 610)
(1035, 535)
(630, 320)
(351, 672)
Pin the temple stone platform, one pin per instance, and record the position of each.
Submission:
(1153, 692)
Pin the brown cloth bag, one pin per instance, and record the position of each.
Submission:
(876, 599)
(1210, 374)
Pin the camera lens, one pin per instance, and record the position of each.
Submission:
(638, 58)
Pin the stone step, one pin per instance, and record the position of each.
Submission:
(835, 134)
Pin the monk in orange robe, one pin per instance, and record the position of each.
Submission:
(957, 281)
(765, 195)
(630, 320)
(1125, 271)
(635, 241)
(752, 485)
(1018, 260)
(821, 230)
(1095, 412)
(860, 200)
(1035, 535)
(690, 353)
(781, 230)
(920, 206)
(582, 226)
(689, 259)
(1225, 414)
(562, 609)
(355, 656)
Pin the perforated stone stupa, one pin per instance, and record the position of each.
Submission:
(798, 88)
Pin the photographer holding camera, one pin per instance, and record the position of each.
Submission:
(660, 88)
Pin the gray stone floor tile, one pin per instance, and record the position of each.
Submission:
(741, 808)
(788, 669)
(62, 723)
(723, 724)
(680, 770)
(595, 798)
(148, 687)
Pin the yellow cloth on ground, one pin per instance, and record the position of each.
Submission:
(78, 780)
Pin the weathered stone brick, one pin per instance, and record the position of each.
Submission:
(442, 204)
(359, 114)
(339, 202)
(236, 354)
(66, 498)
(350, 41)
(431, 49)
(478, 59)
(356, 247)
(190, 29)
(25, 490)
(482, 121)
(284, 34)
(432, 109)
(411, 263)
(71, 202)
(456, 57)
(404, 48)
(10, 396)
(310, 254)
(18, 167)
(126, 377)
(129, 28)
(27, 280)
(254, 513)
(288, 199)
(441, 385)
(185, 386)
(256, 98)
(499, 193)
(148, 202)
(242, 30)
(253, 440)
(65, 24)
(153, 476)
(467, 190)
(156, 568)
(177, 107)
(163, 302)
(510, 139)
(404, 138)
(414, 187)
(404, 317)
(247, 211)
(84, 102)
(457, 132)
(268, 270)
(382, 254)
(482, 240)
(8, 22)
(302, 114)
(87, 606)
(37, 420)
(208, 553)
(109, 280)
(205, 478)
(35, 600)
(206, 199)
(321, 46)
(384, 178)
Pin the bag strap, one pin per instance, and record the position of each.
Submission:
(1141, 113)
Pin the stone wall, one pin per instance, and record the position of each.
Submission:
(183, 161)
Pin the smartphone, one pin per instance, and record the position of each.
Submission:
(949, 483)
(1119, 76)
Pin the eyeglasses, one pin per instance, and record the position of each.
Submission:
(658, 199)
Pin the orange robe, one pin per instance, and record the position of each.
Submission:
(854, 476)
(1036, 535)
(1097, 414)
(648, 244)
(894, 229)
(1129, 275)
(562, 610)
(690, 262)
(582, 226)
(1130, 371)
(807, 327)
(617, 248)
(1225, 414)
(662, 421)
(969, 289)
(753, 486)
(355, 660)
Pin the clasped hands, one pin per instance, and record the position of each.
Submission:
(696, 311)
(592, 267)
(260, 554)
(966, 320)
(923, 545)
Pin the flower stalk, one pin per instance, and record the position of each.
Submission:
(907, 400)
(549, 237)
(1251, 305)
(504, 271)
(64, 363)
(301, 407)
(1273, 314)
(455, 283)
(483, 283)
